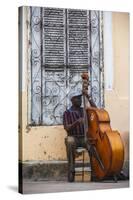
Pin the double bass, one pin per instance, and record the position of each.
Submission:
(106, 146)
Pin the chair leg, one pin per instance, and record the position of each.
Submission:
(71, 176)
(115, 178)
(71, 160)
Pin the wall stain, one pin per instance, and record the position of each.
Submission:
(28, 128)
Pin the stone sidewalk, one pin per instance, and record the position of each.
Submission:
(32, 187)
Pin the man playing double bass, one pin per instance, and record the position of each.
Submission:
(90, 128)
(73, 121)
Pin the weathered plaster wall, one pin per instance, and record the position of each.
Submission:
(44, 143)
(117, 99)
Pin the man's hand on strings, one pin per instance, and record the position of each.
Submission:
(85, 92)
(80, 120)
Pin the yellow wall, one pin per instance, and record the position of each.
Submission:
(117, 100)
(47, 143)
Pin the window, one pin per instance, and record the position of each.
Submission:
(64, 43)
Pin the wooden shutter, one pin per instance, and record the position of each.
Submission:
(53, 39)
(78, 39)
(54, 69)
(78, 48)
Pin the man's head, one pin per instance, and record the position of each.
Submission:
(76, 100)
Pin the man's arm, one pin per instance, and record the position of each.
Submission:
(89, 98)
(91, 102)
(68, 126)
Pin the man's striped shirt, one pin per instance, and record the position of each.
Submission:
(70, 116)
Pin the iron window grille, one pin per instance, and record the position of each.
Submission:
(64, 44)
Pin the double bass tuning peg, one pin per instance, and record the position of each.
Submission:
(85, 76)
